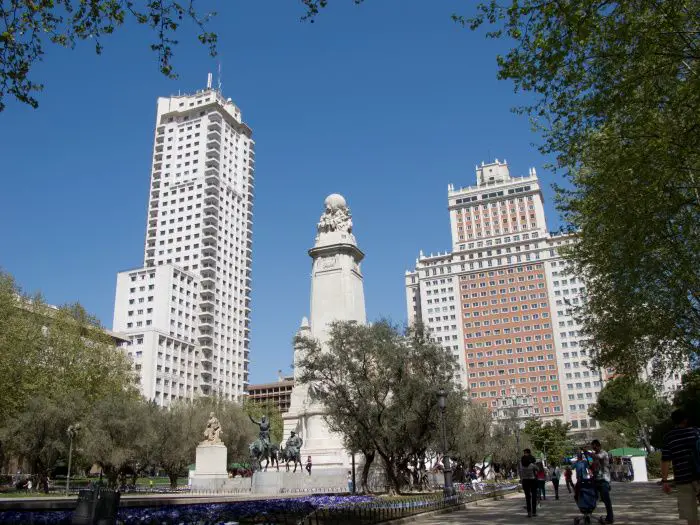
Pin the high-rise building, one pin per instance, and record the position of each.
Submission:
(500, 303)
(187, 310)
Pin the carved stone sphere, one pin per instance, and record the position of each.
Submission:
(335, 201)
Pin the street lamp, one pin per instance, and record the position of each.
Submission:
(72, 431)
(447, 469)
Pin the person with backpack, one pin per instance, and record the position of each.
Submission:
(682, 449)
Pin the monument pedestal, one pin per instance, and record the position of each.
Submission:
(323, 481)
(210, 467)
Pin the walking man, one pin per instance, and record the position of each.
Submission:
(681, 448)
(601, 472)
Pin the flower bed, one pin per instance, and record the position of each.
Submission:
(258, 511)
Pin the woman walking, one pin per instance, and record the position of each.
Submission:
(529, 481)
(541, 481)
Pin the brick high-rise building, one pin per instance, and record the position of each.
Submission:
(493, 303)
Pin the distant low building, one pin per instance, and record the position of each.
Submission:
(277, 394)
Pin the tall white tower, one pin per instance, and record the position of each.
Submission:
(337, 294)
(187, 311)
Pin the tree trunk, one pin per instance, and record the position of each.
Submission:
(369, 458)
(393, 479)
(172, 476)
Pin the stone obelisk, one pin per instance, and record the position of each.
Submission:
(337, 294)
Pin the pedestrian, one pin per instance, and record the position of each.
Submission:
(541, 481)
(308, 465)
(601, 473)
(351, 485)
(582, 472)
(29, 485)
(682, 449)
(567, 477)
(556, 474)
(529, 481)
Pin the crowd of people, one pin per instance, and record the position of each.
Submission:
(594, 470)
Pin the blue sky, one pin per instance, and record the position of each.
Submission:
(385, 103)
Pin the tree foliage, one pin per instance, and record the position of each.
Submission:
(27, 27)
(632, 406)
(549, 438)
(687, 396)
(379, 386)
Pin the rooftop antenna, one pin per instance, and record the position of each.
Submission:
(219, 79)
(208, 80)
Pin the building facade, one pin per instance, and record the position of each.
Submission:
(501, 302)
(277, 394)
(187, 310)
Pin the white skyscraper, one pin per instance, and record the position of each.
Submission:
(187, 311)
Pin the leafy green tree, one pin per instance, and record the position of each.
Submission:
(22, 344)
(115, 435)
(549, 438)
(177, 432)
(27, 27)
(688, 395)
(474, 438)
(633, 405)
(51, 357)
(39, 433)
(379, 385)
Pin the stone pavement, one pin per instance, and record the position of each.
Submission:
(633, 504)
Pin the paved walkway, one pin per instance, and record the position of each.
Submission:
(633, 504)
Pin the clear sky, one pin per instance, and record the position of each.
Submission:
(385, 103)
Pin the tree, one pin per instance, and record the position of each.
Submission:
(474, 439)
(51, 358)
(632, 405)
(378, 386)
(549, 438)
(177, 433)
(46, 351)
(616, 99)
(687, 396)
(27, 27)
(116, 433)
(39, 433)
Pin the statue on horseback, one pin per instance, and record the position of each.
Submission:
(262, 448)
(292, 451)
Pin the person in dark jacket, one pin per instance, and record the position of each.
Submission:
(528, 479)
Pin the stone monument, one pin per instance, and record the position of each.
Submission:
(337, 294)
(211, 460)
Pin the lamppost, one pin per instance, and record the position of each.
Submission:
(72, 431)
(447, 468)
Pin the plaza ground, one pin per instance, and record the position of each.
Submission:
(633, 503)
